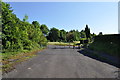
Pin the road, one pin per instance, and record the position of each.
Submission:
(62, 62)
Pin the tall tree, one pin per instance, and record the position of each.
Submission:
(87, 32)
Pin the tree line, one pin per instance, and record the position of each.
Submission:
(55, 34)
(20, 34)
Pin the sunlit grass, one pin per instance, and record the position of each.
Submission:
(64, 43)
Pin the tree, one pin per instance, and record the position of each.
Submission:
(100, 33)
(77, 35)
(9, 28)
(62, 35)
(82, 34)
(87, 32)
(70, 37)
(44, 29)
(37, 35)
(54, 34)
(36, 24)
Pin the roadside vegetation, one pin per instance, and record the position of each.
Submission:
(108, 44)
(19, 37)
(64, 43)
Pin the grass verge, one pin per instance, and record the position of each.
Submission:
(63, 43)
(106, 47)
(9, 61)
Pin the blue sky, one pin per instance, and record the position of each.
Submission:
(100, 16)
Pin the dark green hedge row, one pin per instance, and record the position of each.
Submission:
(113, 38)
(107, 43)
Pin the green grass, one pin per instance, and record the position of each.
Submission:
(105, 47)
(82, 38)
(108, 44)
(8, 54)
(9, 59)
(10, 65)
(63, 43)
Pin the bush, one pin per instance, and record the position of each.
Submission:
(106, 43)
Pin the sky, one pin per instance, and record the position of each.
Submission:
(99, 16)
(119, 17)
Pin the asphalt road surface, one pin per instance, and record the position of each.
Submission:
(61, 62)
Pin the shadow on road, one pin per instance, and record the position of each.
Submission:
(65, 48)
(61, 47)
(106, 59)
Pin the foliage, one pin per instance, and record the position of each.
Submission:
(72, 35)
(100, 33)
(19, 35)
(107, 43)
(36, 24)
(63, 35)
(25, 18)
(82, 34)
(44, 29)
(87, 32)
(54, 34)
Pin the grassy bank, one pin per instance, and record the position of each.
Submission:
(107, 44)
(105, 47)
